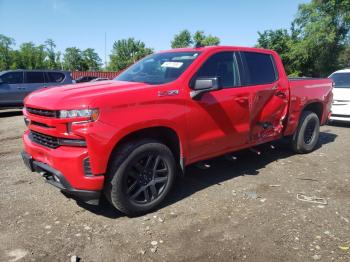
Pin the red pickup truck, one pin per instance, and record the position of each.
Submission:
(130, 137)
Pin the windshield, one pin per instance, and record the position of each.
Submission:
(341, 80)
(159, 68)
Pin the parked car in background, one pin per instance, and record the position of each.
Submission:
(341, 92)
(17, 84)
(99, 79)
(83, 79)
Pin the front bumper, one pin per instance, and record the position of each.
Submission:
(63, 167)
(340, 111)
(340, 118)
(57, 179)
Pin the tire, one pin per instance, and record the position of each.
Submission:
(306, 136)
(140, 176)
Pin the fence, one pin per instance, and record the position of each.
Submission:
(110, 75)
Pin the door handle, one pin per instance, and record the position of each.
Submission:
(281, 94)
(241, 100)
(21, 88)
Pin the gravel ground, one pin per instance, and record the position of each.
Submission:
(240, 210)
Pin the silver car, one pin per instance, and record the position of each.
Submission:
(17, 84)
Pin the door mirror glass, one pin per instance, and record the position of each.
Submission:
(205, 84)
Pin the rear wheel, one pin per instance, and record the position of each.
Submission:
(140, 177)
(306, 136)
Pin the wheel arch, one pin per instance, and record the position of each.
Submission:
(164, 134)
(316, 107)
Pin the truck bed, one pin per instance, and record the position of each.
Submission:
(305, 91)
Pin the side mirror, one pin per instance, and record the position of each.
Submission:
(204, 85)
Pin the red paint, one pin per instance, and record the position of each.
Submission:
(220, 122)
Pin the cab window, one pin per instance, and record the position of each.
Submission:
(222, 65)
(259, 68)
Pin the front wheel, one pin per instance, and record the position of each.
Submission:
(140, 177)
(306, 136)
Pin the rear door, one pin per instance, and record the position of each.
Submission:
(33, 80)
(269, 96)
(11, 88)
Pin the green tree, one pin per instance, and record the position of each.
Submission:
(91, 59)
(126, 52)
(31, 56)
(317, 39)
(322, 27)
(58, 60)
(185, 39)
(6, 52)
(281, 42)
(344, 57)
(51, 54)
(73, 59)
(200, 39)
(182, 39)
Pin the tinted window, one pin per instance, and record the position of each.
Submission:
(223, 66)
(260, 68)
(54, 77)
(159, 68)
(35, 77)
(12, 78)
(341, 80)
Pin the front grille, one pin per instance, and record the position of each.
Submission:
(40, 124)
(42, 112)
(44, 140)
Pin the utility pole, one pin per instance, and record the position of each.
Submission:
(105, 50)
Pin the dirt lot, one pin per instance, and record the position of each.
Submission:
(241, 210)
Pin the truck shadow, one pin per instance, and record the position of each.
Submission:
(248, 163)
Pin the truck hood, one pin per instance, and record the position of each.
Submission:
(341, 94)
(78, 95)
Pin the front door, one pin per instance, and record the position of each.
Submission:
(269, 96)
(219, 120)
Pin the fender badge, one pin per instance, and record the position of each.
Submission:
(174, 92)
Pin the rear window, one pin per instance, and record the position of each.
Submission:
(12, 78)
(341, 80)
(35, 77)
(54, 77)
(260, 68)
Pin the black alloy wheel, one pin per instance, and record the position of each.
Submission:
(140, 176)
(146, 178)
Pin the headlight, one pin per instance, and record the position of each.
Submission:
(92, 114)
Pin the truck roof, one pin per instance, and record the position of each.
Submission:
(207, 48)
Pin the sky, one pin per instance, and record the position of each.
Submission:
(84, 23)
